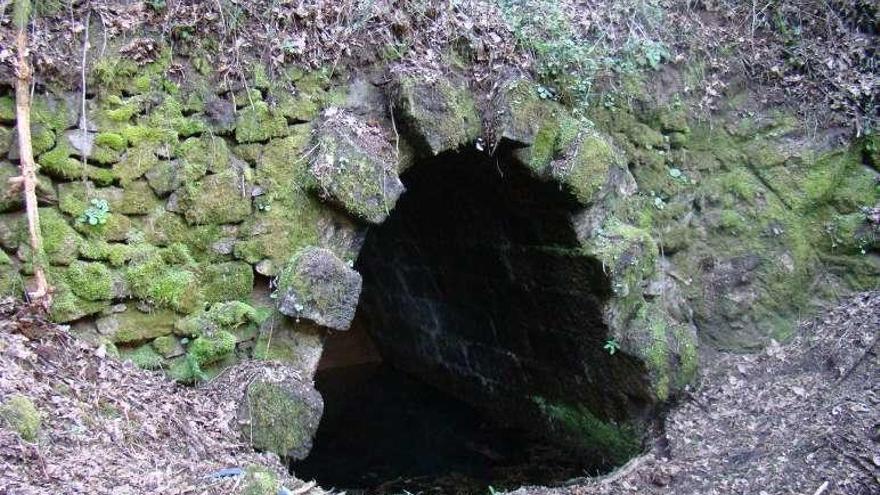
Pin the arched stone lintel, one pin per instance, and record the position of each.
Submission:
(356, 166)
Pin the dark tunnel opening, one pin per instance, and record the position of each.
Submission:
(477, 309)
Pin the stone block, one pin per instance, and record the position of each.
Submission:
(318, 286)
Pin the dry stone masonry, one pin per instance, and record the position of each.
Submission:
(190, 226)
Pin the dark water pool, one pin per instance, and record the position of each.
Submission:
(384, 432)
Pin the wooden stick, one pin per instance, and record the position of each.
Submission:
(21, 14)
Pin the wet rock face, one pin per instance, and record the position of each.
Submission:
(478, 284)
(318, 286)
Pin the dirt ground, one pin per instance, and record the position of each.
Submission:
(797, 418)
(800, 418)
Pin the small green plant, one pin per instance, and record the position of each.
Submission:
(96, 214)
(611, 345)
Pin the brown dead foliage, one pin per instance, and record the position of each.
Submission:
(111, 428)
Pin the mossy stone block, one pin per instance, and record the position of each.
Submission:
(228, 281)
(169, 175)
(284, 416)
(318, 286)
(437, 113)
(519, 112)
(354, 172)
(134, 326)
(90, 281)
(257, 122)
(586, 171)
(218, 198)
(135, 163)
(207, 152)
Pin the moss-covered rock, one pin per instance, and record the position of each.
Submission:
(283, 416)
(60, 241)
(320, 287)
(257, 122)
(585, 171)
(134, 326)
(218, 198)
(166, 277)
(21, 416)
(168, 346)
(60, 164)
(288, 217)
(90, 281)
(207, 152)
(356, 169)
(520, 114)
(260, 481)
(229, 281)
(169, 175)
(144, 357)
(436, 112)
(135, 163)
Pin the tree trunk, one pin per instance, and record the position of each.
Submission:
(28, 178)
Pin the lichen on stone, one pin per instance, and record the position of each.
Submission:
(320, 287)
(436, 112)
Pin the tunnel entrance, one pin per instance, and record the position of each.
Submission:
(478, 309)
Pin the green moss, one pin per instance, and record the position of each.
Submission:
(60, 164)
(210, 348)
(209, 153)
(11, 283)
(154, 276)
(257, 122)
(439, 114)
(227, 281)
(145, 357)
(90, 281)
(111, 140)
(581, 428)
(165, 345)
(276, 418)
(260, 481)
(21, 416)
(135, 326)
(137, 199)
(7, 109)
(587, 171)
(227, 316)
(42, 139)
(218, 198)
(67, 306)
(141, 134)
(99, 250)
(135, 163)
(52, 112)
(60, 240)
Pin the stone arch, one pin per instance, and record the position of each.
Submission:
(643, 347)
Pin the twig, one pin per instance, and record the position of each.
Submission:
(821, 489)
(84, 119)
